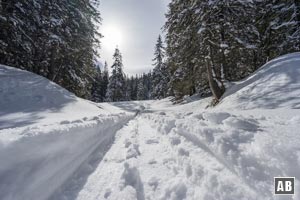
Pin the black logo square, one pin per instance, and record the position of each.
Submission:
(284, 185)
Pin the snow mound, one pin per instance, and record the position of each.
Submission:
(48, 135)
(275, 85)
(27, 98)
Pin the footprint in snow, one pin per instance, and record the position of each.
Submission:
(107, 193)
(153, 182)
(175, 190)
(152, 141)
(127, 143)
(131, 178)
(65, 122)
(152, 162)
(183, 152)
(175, 140)
(133, 151)
(162, 113)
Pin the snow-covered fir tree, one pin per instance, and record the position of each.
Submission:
(278, 27)
(141, 90)
(183, 58)
(160, 75)
(116, 90)
(226, 40)
(133, 83)
(97, 86)
(55, 39)
(105, 81)
(211, 42)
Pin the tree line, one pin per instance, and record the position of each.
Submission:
(58, 39)
(118, 86)
(207, 44)
(55, 39)
(211, 43)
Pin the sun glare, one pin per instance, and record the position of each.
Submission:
(112, 37)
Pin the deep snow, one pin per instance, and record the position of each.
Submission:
(26, 99)
(152, 149)
(47, 133)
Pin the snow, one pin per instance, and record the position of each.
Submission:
(46, 134)
(275, 85)
(154, 149)
(28, 99)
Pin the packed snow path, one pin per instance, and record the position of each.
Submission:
(185, 155)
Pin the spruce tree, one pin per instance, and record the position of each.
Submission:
(141, 90)
(105, 81)
(278, 27)
(97, 86)
(160, 75)
(116, 86)
(55, 39)
(183, 49)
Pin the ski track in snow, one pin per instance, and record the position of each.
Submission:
(161, 155)
(157, 157)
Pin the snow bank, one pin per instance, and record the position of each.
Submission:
(26, 98)
(47, 134)
(275, 85)
(37, 163)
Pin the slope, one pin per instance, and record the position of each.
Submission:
(275, 85)
(47, 133)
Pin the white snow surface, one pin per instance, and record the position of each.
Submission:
(275, 85)
(26, 99)
(152, 149)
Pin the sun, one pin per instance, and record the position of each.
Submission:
(112, 37)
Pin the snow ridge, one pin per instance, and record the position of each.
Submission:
(41, 160)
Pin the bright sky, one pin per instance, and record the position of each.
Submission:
(133, 26)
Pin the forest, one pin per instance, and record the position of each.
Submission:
(204, 45)
(149, 99)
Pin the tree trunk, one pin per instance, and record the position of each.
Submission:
(214, 87)
(297, 4)
(51, 67)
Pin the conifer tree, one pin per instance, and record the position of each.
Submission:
(160, 75)
(55, 39)
(105, 81)
(183, 47)
(116, 86)
(141, 90)
(97, 86)
(278, 28)
(212, 42)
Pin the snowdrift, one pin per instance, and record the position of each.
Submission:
(275, 85)
(36, 164)
(47, 133)
(26, 98)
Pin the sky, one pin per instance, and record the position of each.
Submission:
(133, 26)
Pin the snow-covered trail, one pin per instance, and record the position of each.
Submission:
(150, 160)
(169, 154)
(140, 150)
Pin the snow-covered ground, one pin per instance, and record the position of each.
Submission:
(74, 149)
(46, 134)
